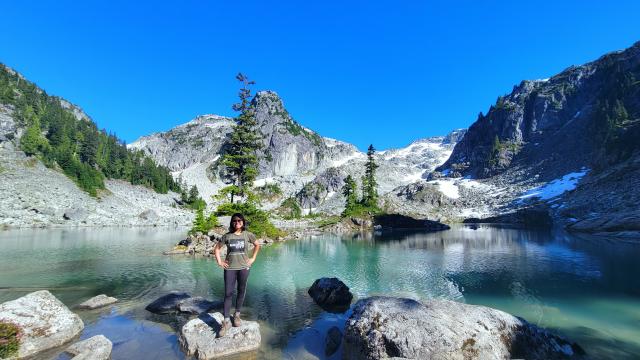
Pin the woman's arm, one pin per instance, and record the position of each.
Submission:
(256, 250)
(216, 252)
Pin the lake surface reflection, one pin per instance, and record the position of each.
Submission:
(583, 288)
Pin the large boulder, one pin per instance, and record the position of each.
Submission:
(331, 294)
(43, 320)
(383, 327)
(167, 303)
(97, 302)
(199, 337)
(93, 348)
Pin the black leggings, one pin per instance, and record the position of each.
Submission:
(230, 278)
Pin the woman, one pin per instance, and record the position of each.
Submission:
(236, 266)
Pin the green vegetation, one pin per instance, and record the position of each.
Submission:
(241, 162)
(203, 224)
(369, 184)
(84, 153)
(327, 221)
(291, 209)
(192, 199)
(269, 192)
(368, 204)
(9, 340)
(257, 220)
(240, 158)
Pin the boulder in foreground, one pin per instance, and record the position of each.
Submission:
(94, 348)
(384, 327)
(43, 320)
(97, 302)
(330, 294)
(199, 337)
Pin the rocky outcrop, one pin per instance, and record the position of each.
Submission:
(531, 217)
(176, 301)
(99, 301)
(199, 337)
(397, 221)
(94, 348)
(387, 327)
(331, 294)
(43, 320)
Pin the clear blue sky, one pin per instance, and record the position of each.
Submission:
(365, 72)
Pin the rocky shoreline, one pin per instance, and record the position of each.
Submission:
(377, 327)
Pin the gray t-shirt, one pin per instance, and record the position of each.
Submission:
(237, 246)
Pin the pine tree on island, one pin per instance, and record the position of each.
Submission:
(369, 184)
(240, 158)
(368, 204)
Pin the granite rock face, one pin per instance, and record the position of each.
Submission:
(94, 348)
(98, 302)
(44, 321)
(200, 338)
(388, 327)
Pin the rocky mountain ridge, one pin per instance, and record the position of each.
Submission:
(299, 161)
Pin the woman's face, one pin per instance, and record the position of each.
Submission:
(237, 223)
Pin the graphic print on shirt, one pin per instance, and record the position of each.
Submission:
(236, 246)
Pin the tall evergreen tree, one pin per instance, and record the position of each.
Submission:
(369, 184)
(349, 190)
(240, 158)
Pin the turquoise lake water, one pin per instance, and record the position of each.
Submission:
(587, 289)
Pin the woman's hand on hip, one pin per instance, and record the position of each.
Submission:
(224, 264)
(250, 261)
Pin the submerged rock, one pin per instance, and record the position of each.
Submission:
(43, 320)
(93, 348)
(199, 337)
(167, 303)
(98, 302)
(331, 294)
(383, 327)
(333, 341)
(198, 305)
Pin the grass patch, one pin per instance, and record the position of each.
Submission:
(9, 339)
(327, 221)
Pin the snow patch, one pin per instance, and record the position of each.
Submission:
(448, 188)
(555, 187)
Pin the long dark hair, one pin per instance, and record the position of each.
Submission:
(232, 228)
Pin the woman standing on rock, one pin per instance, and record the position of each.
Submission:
(236, 266)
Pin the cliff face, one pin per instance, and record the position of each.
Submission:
(586, 116)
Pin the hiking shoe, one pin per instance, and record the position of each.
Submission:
(223, 328)
(236, 320)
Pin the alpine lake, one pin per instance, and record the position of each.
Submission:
(584, 288)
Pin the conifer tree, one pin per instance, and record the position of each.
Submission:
(349, 190)
(369, 184)
(241, 159)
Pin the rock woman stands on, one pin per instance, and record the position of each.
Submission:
(236, 266)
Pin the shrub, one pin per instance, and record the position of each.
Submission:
(257, 220)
